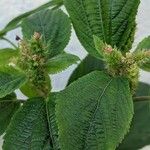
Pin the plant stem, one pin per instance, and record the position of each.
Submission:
(11, 43)
(18, 100)
(141, 98)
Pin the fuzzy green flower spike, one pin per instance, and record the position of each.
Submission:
(117, 64)
(32, 60)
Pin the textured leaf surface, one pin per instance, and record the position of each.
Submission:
(145, 45)
(61, 62)
(8, 106)
(86, 66)
(55, 27)
(6, 55)
(112, 21)
(53, 129)
(28, 129)
(14, 23)
(139, 135)
(94, 113)
(10, 80)
(99, 45)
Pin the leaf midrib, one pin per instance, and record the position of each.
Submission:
(34, 124)
(50, 127)
(102, 25)
(95, 111)
(88, 26)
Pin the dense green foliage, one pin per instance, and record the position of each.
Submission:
(112, 21)
(29, 128)
(27, 67)
(140, 123)
(95, 110)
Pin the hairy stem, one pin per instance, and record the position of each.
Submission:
(141, 98)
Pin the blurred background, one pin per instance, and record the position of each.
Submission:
(12, 8)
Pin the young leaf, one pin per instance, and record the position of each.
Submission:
(8, 107)
(28, 128)
(53, 129)
(61, 62)
(145, 46)
(112, 21)
(86, 66)
(53, 25)
(94, 112)
(139, 135)
(6, 55)
(10, 80)
(99, 45)
(15, 23)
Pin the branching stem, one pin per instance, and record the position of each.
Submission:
(141, 98)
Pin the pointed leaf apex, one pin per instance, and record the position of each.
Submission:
(99, 45)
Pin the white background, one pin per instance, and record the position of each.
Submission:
(11, 8)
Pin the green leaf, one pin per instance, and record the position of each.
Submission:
(94, 112)
(99, 45)
(6, 55)
(15, 23)
(61, 62)
(139, 135)
(28, 128)
(53, 25)
(10, 80)
(145, 46)
(112, 21)
(8, 107)
(33, 126)
(87, 65)
(53, 129)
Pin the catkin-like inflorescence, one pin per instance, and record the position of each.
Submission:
(32, 59)
(127, 65)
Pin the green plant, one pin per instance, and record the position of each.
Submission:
(95, 110)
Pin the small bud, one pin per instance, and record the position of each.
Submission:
(35, 57)
(128, 55)
(37, 35)
(108, 49)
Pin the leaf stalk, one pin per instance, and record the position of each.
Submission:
(141, 98)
